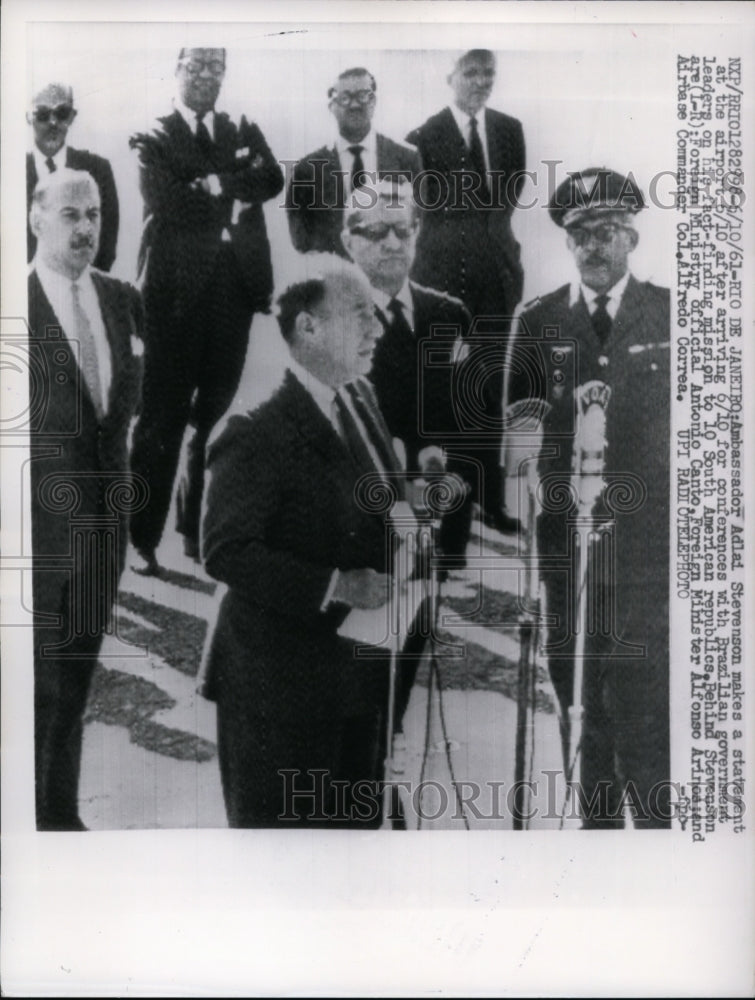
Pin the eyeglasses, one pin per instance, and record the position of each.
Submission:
(601, 234)
(62, 114)
(360, 96)
(195, 66)
(379, 232)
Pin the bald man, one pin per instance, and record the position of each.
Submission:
(84, 329)
(51, 115)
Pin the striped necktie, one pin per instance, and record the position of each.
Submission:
(87, 352)
(363, 429)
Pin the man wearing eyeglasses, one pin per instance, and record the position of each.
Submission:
(323, 183)
(606, 329)
(412, 369)
(207, 269)
(51, 115)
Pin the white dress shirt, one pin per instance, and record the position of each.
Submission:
(40, 161)
(346, 157)
(404, 296)
(463, 120)
(589, 296)
(322, 394)
(190, 117)
(57, 288)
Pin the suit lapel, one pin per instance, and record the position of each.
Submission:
(116, 323)
(452, 141)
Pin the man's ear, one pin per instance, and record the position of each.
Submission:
(305, 326)
(634, 237)
(347, 240)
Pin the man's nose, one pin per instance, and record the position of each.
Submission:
(391, 239)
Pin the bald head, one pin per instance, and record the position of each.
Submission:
(51, 115)
(65, 218)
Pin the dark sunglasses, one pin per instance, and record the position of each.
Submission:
(600, 234)
(63, 113)
(379, 232)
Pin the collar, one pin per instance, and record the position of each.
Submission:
(462, 120)
(322, 394)
(578, 290)
(404, 296)
(54, 279)
(368, 144)
(40, 160)
(190, 117)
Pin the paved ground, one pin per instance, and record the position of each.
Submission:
(149, 750)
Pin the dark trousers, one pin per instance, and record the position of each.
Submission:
(625, 704)
(61, 688)
(192, 368)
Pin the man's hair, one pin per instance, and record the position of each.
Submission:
(396, 193)
(478, 55)
(65, 176)
(54, 85)
(355, 71)
(304, 290)
(193, 48)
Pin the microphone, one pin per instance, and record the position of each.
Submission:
(588, 457)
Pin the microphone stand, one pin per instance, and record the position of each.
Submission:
(587, 485)
(525, 418)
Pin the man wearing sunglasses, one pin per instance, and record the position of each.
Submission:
(606, 329)
(205, 258)
(323, 182)
(51, 115)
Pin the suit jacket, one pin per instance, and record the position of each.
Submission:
(315, 195)
(413, 376)
(461, 240)
(185, 226)
(635, 363)
(102, 172)
(79, 467)
(280, 517)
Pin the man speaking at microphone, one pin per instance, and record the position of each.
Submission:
(613, 331)
(300, 715)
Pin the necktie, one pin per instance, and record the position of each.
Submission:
(364, 431)
(87, 352)
(601, 321)
(50, 164)
(400, 322)
(203, 136)
(357, 167)
(476, 155)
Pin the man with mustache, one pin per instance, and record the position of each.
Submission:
(323, 183)
(84, 330)
(473, 162)
(207, 269)
(605, 329)
(51, 115)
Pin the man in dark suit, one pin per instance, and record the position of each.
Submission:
(207, 269)
(323, 182)
(83, 327)
(473, 162)
(609, 362)
(413, 370)
(300, 733)
(413, 366)
(51, 115)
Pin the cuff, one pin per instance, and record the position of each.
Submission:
(329, 592)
